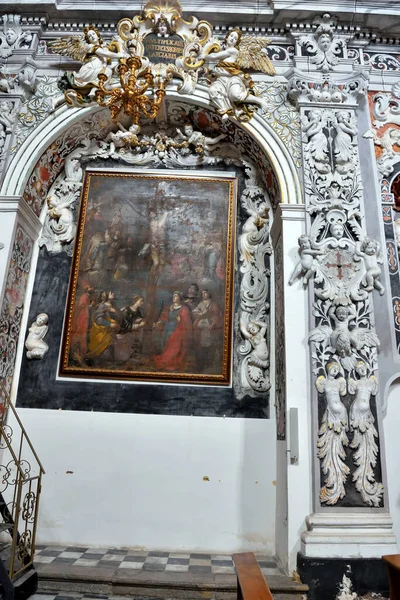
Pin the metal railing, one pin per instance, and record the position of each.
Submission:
(20, 485)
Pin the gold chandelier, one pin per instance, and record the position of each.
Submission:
(131, 97)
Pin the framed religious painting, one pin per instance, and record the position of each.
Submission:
(151, 289)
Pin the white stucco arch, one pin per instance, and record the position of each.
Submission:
(64, 117)
(287, 175)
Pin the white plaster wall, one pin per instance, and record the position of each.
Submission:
(299, 476)
(137, 480)
(392, 445)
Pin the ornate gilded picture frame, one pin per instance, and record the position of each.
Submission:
(151, 288)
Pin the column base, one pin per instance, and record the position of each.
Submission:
(324, 576)
(348, 535)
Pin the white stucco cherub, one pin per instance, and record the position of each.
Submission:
(307, 265)
(369, 250)
(123, 138)
(250, 236)
(61, 218)
(36, 347)
(345, 337)
(255, 332)
(254, 372)
(203, 144)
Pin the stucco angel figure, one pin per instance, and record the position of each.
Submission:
(7, 114)
(37, 348)
(313, 131)
(307, 265)
(203, 144)
(255, 363)
(333, 387)
(332, 437)
(369, 250)
(94, 53)
(346, 134)
(60, 219)
(344, 337)
(123, 138)
(365, 434)
(364, 387)
(250, 236)
(231, 90)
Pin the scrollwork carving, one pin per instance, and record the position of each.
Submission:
(389, 141)
(386, 107)
(382, 61)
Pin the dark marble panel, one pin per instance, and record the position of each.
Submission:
(324, 575)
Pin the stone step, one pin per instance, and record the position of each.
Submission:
(160, 585)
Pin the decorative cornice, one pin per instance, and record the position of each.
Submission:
(268, 18)
(29, 221)
(306, 88)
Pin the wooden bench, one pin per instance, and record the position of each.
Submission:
(251, 582)
(393, 563)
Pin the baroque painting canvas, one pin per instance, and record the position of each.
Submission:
(151, 289)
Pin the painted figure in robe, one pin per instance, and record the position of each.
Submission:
(81, 321)
(177, 335)
(105, 322)
(207, 324)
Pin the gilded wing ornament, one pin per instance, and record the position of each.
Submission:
(253, 54)
(74, 46)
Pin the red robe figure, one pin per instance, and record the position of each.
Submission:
(176, 337)
(81, 320)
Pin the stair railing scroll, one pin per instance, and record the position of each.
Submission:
(20, 486)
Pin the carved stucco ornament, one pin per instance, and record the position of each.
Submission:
(322, 45)
(7, 117)
(23, 83)
(12, 37)
(35, 344)
(166, 147)
(156, 47)
(386, 110)
(386, 107)
(344, 265)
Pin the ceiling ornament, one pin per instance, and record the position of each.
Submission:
(130, 74)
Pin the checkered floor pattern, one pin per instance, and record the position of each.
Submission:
(146, 561)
